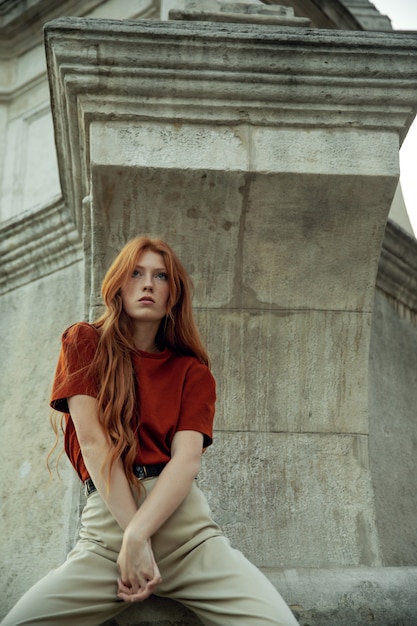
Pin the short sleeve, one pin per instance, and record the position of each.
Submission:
(198, 402)
(73, 374)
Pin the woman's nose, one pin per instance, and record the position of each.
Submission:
(148, 285)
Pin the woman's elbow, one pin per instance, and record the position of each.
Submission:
(188, 465)
(93, 444)
(195, 466)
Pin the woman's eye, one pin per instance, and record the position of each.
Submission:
(160, 275)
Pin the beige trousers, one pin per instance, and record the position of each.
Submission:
(199, 568)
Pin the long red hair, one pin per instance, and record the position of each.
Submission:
(112, 365)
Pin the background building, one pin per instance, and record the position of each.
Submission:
(262, 141)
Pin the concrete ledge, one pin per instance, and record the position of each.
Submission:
(350, 597)
(334, 597)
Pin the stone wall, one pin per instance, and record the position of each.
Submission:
(393, 398)
(393, 431)
(278, 212)
(38, 515)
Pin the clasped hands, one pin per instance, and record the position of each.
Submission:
(139, 573)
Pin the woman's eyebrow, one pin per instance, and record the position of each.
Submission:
(156, 269)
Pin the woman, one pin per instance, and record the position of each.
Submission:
(138, 399)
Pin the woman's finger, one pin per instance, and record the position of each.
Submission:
(139, 596)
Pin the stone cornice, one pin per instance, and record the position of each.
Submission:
(37, 243)
(242, 13)
(21, 22)
(366, 14)
(397, 269)
(135, 70)
(324, 14)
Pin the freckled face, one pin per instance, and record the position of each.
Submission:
(145, 294)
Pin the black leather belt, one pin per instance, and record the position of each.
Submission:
(140, 471)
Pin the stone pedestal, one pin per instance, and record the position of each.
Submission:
(268, 158)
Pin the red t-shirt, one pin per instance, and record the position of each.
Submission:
(176, 393)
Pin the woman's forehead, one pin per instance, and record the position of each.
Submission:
(151, 258)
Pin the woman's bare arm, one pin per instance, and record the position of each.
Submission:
(95, 446)
(139, 573)
(169, 491)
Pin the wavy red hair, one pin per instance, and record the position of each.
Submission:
(119, 397)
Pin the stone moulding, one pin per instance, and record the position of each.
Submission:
(142, 70)
(36, 244)
(249, 13)
(366, 14)
(397, 269)
(21, 22)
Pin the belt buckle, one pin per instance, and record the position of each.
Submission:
(140, 471)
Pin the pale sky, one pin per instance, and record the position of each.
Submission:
(403, 16)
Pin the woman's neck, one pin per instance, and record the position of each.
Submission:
(144, 337)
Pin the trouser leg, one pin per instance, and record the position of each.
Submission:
(83, 589)
(224, 589)
(198, 567)
(201, 570)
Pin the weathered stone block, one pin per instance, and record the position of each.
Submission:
(392, 428)
(289, 500)
(289, 371)
(178, 205)
(38, 516)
